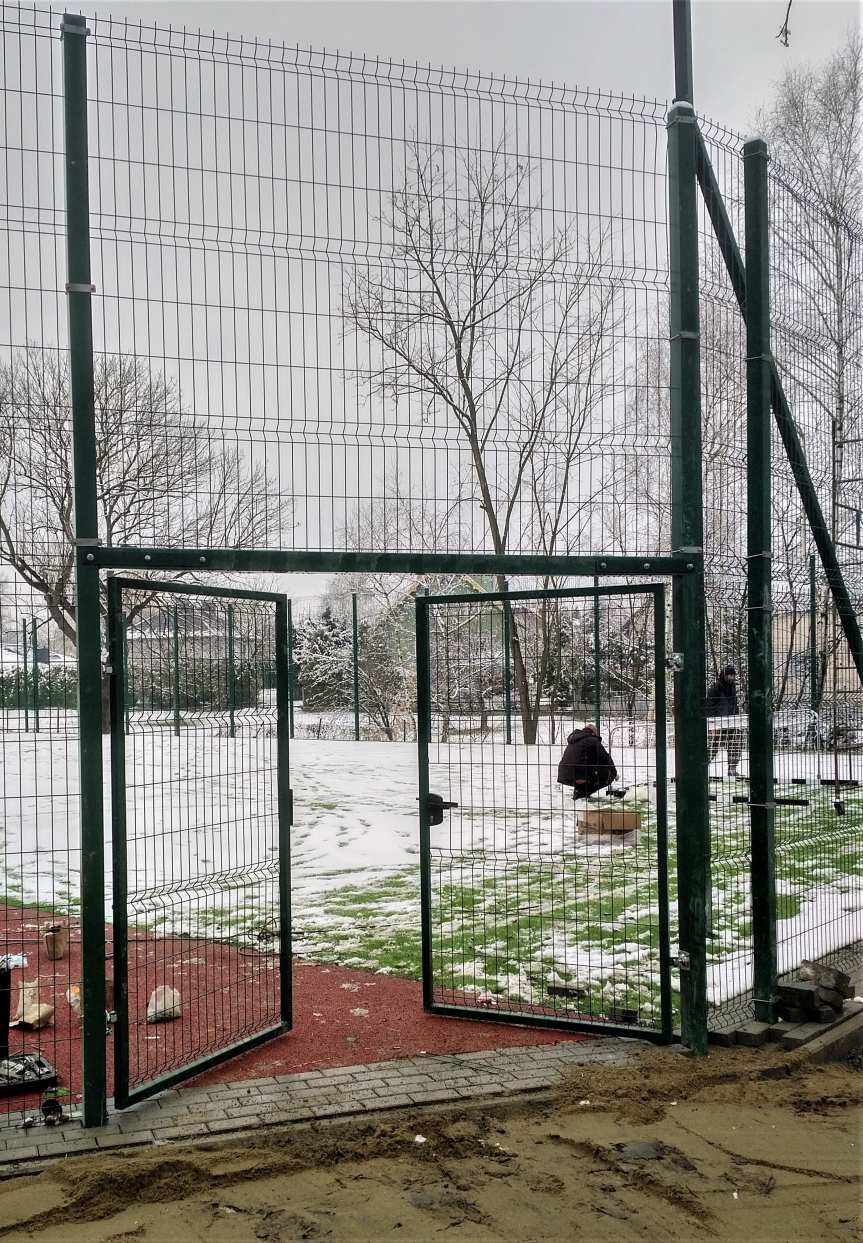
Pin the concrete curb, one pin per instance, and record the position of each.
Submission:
(221, 1111)
(836, 1043)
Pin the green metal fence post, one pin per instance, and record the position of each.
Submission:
(25, 674)
(290, 671)
(119, 847)
(355, 650)
(285, 804)
(597, 672)
(693, 828)
(813, 639)
(125, 652)
(34, 652)
(661, 751)
(88, 622)
(507, 663)
(424, 695)
(759, 386)
(232, 676)
(175, 667)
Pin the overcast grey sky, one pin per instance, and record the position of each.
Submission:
(621, 45)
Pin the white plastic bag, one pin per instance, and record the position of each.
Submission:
(164, 1004)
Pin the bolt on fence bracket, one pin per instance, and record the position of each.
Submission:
(77, 287)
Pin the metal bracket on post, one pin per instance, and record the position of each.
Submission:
(72, 287)
(73, 24)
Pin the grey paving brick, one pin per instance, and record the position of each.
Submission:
(431, 1095)
(181, 1131)
(66, 1148)
(119, 1140)
(26, 1152)
(336, 1109)
(249, 1111)
(146, 1122)
(476, 1091)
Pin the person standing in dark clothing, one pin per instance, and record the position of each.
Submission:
(722, 702)
(585, 764)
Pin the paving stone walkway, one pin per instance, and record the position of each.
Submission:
(192, 1113)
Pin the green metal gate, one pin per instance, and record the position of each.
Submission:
(200, 828)
(536, 909)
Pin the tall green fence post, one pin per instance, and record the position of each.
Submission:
(424, 695)
(290, 671)
(690, 734)
(507, 664)
(125, 652)
(34, 653)
(355, 652)
(285, 805)
(232, 676)
(88, 621)
(759, 385)
(175, 667)
(597, 671)
(813, 640)
(25, 673)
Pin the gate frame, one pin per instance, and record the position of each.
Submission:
(664, 1033)
(685, 565)
(123, 1096)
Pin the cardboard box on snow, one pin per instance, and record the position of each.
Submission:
(607, 820)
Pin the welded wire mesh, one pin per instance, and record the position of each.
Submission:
(543, 906)
(40, 864)
(352, 658)
(200, 845)
(261, 261)
(816, 275)
(287, 253)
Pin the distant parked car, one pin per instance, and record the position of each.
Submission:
(797, 729)
(842, 726)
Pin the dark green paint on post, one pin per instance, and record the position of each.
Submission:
(758, 578)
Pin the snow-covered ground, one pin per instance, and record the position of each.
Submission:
(521, 900)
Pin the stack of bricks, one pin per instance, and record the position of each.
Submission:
(817, 996)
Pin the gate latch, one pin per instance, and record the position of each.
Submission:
(436, 808)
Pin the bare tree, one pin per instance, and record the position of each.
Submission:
(815, 131)
(501, 327)
(160, 479)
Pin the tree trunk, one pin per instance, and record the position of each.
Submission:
(519, 676)
(106, 702)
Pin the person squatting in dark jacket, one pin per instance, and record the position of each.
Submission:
(585, 764)
(722, 702)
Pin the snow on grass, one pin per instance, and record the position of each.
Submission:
(520, 901)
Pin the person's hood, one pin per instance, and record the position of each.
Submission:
(583, 733)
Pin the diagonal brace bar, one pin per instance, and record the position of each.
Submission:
(783, 416)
